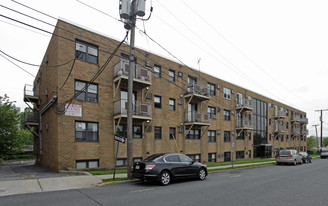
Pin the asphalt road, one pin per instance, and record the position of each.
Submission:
(270, 185)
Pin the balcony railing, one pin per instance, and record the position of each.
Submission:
(138, 108)
(30, 94)
(295, 131)
(279, 129)
(244, 103)
(31, 117)
(244, 124)
(122, 69)
(197, 117)
(196, 88)
(279, 114)
(296, 118)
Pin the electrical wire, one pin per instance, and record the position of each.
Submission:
(35, 65)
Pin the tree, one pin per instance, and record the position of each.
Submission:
(325, 142)
(12, 140)
(311, 142)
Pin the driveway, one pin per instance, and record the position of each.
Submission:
(22, 170)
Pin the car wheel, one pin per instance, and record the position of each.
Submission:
(165, 178)
(310, 161)
(278, 163)
(295, 163)
(202, 174)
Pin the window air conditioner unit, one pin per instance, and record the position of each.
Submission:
(218, 86)
(218, 132)
(180, 74)
(180, 101)
(232, 133)
(213, 116)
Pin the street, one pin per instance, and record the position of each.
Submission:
(270, 185)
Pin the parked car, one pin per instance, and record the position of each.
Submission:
(324, 154)
(289, 157)
(306, 158)
(166, 167)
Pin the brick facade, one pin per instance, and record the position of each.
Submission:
(61, 150)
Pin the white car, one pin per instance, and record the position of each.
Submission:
(324, 154)
(289, 157)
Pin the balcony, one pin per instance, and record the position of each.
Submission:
(31, 119)
(141, 75)
(296, 118)
(141, 110)
(295, 131)
(279, 115)
(244, 124)
(244, 104)
(197, 118)
(279, 129)
(197, 91)
(30, 95)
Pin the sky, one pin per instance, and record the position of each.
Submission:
(277, 48)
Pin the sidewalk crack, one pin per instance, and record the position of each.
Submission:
(40, 185)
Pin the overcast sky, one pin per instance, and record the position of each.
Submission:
(277, 48)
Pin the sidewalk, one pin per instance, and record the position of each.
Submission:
(13, 187)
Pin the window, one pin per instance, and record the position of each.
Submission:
(86, 52)
(121, 131)
(282, 138)
(172, 133)
(158, 101)
(195, 157)
(240, 155)
(83, 164)
(158, 132)
(171, 76)
(227, 156)
(211, 136)
(226, 136)
(211, 157)
(226, 115)
(121, 162)
(157, 71)
(172, 158)
(86, 131)
(193, 134)
(250, 154)
(172, 104)
(212, 112)
(89, 94)
(137, 132)
(226, 93)
(287, 138)
(211, 89)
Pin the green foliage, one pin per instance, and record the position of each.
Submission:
(311, 142)
(12, 138)
(325, 142)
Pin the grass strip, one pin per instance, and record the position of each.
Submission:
(246, 166)
(215, 164)
(108, 172)
(116, 179)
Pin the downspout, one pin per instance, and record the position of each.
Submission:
(52, 102)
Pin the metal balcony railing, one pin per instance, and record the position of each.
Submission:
(197, 89)
(138, 108)
(279, 129)
(279, 114)
(122, 69)
(199, 117)
(244, 124)
(296, 118)
(31, 117)
(241, 103)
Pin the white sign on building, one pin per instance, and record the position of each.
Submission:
(73, 110)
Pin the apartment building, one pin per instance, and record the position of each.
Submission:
(175, 108)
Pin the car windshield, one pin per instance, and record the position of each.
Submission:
(285, 152)
(153, 157)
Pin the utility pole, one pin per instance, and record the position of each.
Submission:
(128, 12)
(316, 134)
(321, 122)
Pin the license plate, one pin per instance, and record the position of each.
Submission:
(137, 167)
